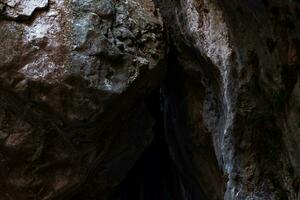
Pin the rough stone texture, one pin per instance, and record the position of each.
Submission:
(73, 76)
(239, 90)
(17, 9)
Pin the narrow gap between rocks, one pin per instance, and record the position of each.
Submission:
(154, 176)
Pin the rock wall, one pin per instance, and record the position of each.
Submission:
(75, 77)
(239, 65)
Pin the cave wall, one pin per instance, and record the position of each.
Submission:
(73, 79)
(240, 60)
(76, 76)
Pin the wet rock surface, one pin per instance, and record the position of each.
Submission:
(77, 120)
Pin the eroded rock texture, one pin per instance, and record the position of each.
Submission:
(237, 101)
(75, 80)
(73, 76)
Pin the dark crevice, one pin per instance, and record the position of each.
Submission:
(166, 171)
(177, 130)
(154, 176)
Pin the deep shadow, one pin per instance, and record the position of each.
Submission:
(154, 176)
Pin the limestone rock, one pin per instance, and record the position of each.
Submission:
(75, 84)
(73, 76)
(239, 66)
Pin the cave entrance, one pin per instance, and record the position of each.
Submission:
(154, 175)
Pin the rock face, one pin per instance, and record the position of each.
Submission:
(237, 101)
(75, 76)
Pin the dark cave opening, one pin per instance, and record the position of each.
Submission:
(154, 176)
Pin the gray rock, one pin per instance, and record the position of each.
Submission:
(239, 92)
(72, 94)
(23, 8)
(74, 76)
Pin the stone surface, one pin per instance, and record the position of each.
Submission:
(239, 64)
(73, 76)
(16, 9)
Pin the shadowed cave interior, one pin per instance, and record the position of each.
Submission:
(154, 175)
(149, 100)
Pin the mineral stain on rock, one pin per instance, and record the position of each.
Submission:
(149, 100)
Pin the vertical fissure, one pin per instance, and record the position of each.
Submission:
(154, 176)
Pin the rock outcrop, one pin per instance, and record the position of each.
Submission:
(75, 81)
(237, 100)
(73, 78)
